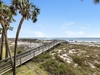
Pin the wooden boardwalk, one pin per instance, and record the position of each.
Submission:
(5, 65)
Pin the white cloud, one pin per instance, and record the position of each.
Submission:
(74, 33)
(87, 26)
(84, 27)
(67, 24)
(32, 33)
(39, 34)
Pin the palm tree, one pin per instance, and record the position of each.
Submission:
(6, 16)
(28, 11)
(1, 47)
(7, 28)
(2, 39)
(96, 1)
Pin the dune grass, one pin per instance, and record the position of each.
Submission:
(29, 68)
(50, 63)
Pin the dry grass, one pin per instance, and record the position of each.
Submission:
(29, 68)
(84, 58)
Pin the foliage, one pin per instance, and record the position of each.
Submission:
(19, 51)
(6, 14)
(41, 57)
(96, 1)
(97, 65)
(26, 9)
(57, 68)
(78, 60)
(59, 58)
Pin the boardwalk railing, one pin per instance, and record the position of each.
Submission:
(5, 65)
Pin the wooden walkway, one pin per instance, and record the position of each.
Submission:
(5, 65)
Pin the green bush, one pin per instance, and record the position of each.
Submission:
(79, 60)
(97, 65)
(41, 57)
(57, 68)
(19, 51)
(59, 58)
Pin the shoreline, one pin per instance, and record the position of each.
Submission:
(88, 43)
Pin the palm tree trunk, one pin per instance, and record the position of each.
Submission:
(6, 39)
(2, 39)
(16, 39)
(6, 53)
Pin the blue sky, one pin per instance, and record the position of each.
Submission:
(62, 18)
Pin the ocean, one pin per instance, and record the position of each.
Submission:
(68, 39)
(74, 39)
(84, 39)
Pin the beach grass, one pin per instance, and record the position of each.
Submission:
(85, 61)
(29, 68)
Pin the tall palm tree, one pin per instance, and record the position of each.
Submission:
(6, 16)
(2, 40)
(28, 11)
(7, 28)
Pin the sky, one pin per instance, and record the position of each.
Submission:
(61, 18)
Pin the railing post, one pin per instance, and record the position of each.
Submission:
(43, 50)
(33, 53)
(20, 61)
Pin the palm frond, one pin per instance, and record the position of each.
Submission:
(26, 9)
(35, 20)
(10, 28)
(6, 13)
(96, 1)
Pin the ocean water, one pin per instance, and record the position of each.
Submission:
(69, 39)
(84, 39)
(74, 39)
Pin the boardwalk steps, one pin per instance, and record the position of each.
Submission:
(5, 65)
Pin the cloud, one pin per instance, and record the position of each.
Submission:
(39, 34)
(87, 26)
(32, 33)
(84, 27)
(67, 25)
(74, 33)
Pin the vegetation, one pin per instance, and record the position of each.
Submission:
(51, 62)
(30, 11)
(58, 58)
(27, 10)
(78, 60)
(5, 20)
(41, 58)
(96, 1)
(56, 68)
(80, 64)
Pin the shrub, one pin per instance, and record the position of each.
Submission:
(19, 51)
(79, 60)
(59, 58)
(97, 65)
(41, 57)
(57, 68)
